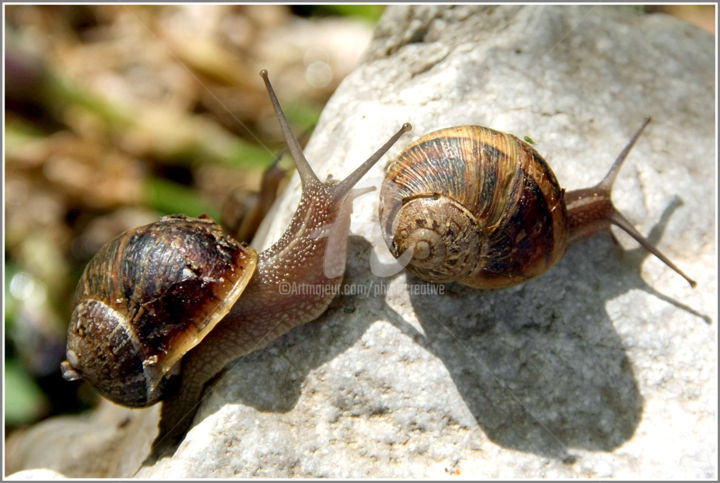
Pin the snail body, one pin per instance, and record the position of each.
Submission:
(482, 208)
(150, 280)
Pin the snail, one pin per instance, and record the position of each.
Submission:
(482, 208)
(180, 297)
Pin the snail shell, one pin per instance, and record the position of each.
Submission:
(476, 206)
(148, 297)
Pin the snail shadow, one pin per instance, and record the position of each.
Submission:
(540, 374)
(541, 366)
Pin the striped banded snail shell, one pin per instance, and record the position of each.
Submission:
(146, 298)
(482, 208)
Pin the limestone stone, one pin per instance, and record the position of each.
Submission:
(605, 366)
(39, 474)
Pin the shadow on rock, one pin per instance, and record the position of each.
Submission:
(540, 365)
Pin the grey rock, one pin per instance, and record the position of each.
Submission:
(39, 474)
(602, 367)
(110, 441)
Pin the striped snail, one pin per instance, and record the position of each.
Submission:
(180, 297)
(482, 208)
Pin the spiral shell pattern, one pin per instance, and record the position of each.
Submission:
(476, 206)
(146, 298)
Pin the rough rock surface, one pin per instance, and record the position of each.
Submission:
(603, 367)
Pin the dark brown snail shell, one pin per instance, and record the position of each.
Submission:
(476, 206)
(482, 208)
(148, 297)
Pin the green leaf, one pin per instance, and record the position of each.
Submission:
(172, 198)
(63, 91)
(24, 401)
(370, 13)
(10, 302)
(302, 114)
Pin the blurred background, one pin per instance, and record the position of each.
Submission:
(116, 115)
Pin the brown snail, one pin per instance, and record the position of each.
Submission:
(482, 208)
(181, 296)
